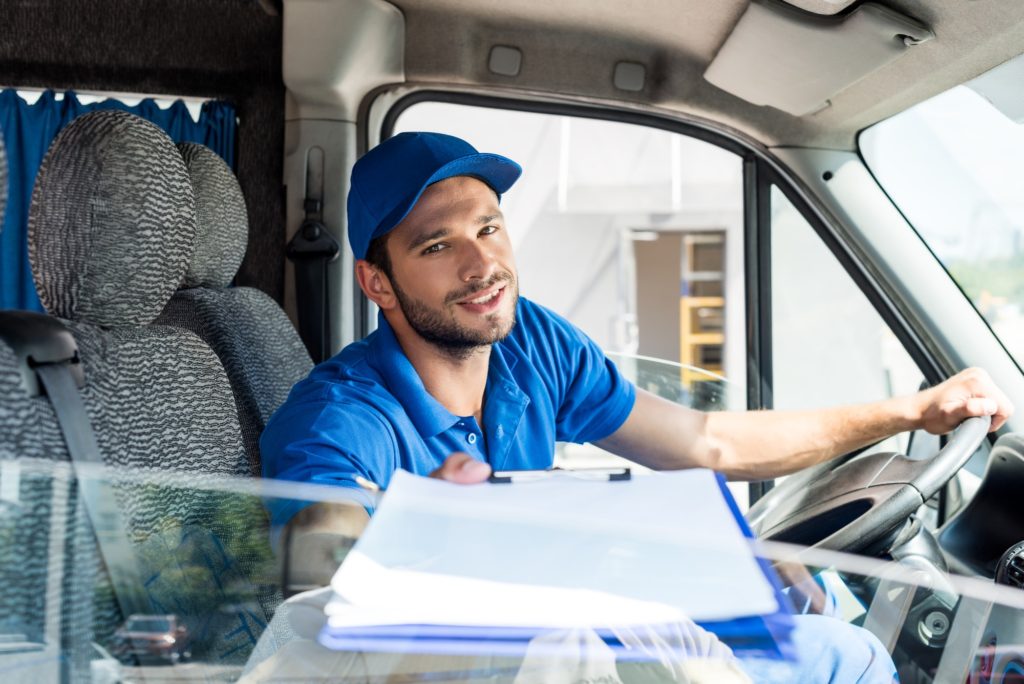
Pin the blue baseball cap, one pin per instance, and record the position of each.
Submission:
(389, 179)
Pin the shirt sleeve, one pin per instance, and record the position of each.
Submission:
(325, 441)
(592, 399)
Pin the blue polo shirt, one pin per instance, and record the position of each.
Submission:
(366, 412)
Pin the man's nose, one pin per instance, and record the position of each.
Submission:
(478, 262)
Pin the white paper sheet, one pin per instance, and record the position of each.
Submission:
(558, 552)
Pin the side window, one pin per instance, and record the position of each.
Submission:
(829, 345)
(634, 234)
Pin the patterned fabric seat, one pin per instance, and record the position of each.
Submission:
(111, 232)
(260, 349)
(37, 493)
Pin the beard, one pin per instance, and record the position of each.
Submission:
(439, 327)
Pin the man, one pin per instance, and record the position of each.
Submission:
(463, 375)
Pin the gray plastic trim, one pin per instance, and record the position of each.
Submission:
(505, 60)
(629, 76)
(333, 53)
(797, 61)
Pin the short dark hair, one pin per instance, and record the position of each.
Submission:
(377, 254)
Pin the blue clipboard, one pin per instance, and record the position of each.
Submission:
(763, 636)
(758, 635)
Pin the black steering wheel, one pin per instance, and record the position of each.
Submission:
(858, 504)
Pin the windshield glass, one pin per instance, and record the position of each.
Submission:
(247, 615)
(952, 164)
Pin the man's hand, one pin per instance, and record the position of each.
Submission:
(462, 468)
(965, 395)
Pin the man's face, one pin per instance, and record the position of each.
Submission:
(452, 267)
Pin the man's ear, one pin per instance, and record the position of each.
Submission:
(375, 285)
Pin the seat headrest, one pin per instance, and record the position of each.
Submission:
(111, 228)
(221, 219)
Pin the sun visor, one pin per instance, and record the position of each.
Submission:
(797, 61)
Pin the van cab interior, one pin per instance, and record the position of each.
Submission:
(748, 204)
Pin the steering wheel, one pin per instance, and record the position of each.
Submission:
(857, 505)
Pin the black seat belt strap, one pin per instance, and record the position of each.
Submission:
(50, 365)
(311, 249)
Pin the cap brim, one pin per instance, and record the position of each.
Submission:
(499, 172)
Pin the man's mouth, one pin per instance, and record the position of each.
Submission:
(486, 298)
(486, 302)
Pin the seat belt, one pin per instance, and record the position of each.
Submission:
(48, 362)
(311, 249)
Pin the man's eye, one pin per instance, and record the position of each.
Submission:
(434, 249)
(487, 230)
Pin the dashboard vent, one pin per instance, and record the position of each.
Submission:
(1010, 569)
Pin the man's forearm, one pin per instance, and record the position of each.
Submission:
(758, 445)
(753, 445)
(763, 444)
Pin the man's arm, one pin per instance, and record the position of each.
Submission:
(755, 445)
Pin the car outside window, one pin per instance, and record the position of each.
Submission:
(147, 625)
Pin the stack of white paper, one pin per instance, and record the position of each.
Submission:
(560, 552)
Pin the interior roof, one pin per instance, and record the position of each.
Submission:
(571, 46)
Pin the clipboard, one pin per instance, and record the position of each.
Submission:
(526, 476)
(766, 636)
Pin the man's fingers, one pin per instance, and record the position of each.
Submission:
(462, 468)
(967, 394)
(994, 402)
(1001, 415)
(980, 406)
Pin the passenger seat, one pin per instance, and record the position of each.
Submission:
(260, 349)
(111, 232)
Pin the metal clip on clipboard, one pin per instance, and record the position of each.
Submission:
(593, 474)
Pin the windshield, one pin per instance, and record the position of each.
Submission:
(603, 581)
(952, 164)
(226, 584)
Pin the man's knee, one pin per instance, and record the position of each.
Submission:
(834, 651)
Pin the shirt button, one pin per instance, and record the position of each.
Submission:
(472, 438)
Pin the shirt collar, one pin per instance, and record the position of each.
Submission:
(402, 380)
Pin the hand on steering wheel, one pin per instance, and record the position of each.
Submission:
(856, 505)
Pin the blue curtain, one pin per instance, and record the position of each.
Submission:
(28, 130)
